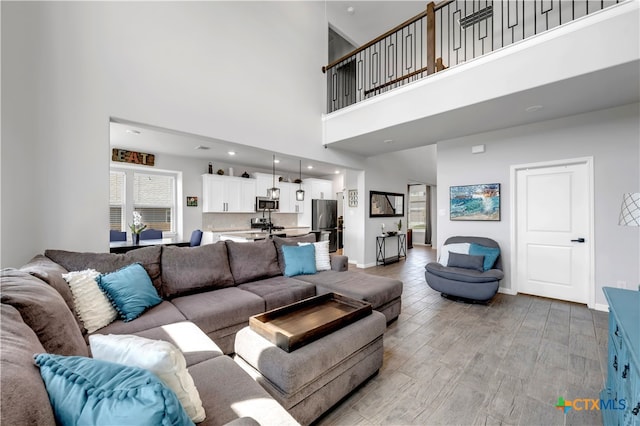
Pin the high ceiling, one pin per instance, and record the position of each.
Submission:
(367, 20)
(361, 21)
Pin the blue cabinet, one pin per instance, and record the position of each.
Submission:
(620, 399)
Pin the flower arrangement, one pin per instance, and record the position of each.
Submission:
(400, 225)
(137, 226)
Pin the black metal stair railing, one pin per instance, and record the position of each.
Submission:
(444, 35)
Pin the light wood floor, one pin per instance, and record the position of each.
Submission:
(459, 364)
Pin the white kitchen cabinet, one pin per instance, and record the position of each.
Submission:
(264, 181)
(288, 202)
(319, 189)
(227, 194)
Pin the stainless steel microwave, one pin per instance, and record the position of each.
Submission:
(266, 203)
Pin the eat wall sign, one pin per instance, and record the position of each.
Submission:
(124, 156)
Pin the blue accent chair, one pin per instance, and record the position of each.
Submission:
(466, 284)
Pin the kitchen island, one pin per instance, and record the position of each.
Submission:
(261, 235)
(250, 236)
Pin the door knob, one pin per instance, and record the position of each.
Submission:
(579, 240)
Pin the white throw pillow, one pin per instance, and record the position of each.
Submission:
(323, 260)
(157, 356)
(462, 248)
(93, 307)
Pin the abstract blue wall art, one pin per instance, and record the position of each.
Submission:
(475, 202)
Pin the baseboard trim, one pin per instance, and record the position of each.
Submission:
(603, 307)
(508, 291)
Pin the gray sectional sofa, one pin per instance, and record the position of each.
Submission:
(209, 293)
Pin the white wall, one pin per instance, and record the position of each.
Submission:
(611, 136)
(67, 67)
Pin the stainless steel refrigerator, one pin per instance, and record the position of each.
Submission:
(324, 218)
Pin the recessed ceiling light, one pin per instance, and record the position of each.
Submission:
(388, 141)
(337, 172)
(133, 131)
(231, 153)
(533, 108)
(351, 10)
(309, 167)
(276, 161)
(202, 147)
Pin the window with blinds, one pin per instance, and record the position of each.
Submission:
(154, 197)
(116, 200)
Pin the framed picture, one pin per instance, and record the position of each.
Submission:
(475, 202)
(192, 201)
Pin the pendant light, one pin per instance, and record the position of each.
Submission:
(273, 192)
(300, 191)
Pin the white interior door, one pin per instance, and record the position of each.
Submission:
(553, 211)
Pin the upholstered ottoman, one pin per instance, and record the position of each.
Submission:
(384, 293)
(311, 379)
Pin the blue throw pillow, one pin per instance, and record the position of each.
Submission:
(86, 391)
(130, 291)
(299, 260)
(490, 254)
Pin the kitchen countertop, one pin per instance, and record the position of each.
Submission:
(250, 236)
(251, 230)
(260, 235)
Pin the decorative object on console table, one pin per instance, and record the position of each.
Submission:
(622, 388)
(475, 202)
(210, 171)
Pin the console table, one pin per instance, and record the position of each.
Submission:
(381, 249)
(622, 389)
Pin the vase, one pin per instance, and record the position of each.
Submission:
(135, 239)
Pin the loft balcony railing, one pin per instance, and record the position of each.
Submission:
(444, 35)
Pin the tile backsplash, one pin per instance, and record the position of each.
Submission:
(228, 221)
